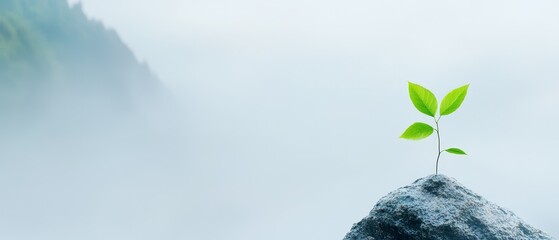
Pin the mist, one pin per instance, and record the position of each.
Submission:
(256, 120)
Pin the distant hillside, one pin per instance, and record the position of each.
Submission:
(53, 58)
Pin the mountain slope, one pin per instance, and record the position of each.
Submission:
(53, 58)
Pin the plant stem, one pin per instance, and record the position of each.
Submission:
(439, 144)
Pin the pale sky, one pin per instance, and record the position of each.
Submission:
(294, 107)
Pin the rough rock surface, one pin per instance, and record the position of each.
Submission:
(438, 207)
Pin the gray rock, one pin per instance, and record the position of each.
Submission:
(438, 207)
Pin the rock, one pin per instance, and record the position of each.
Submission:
(438, 207)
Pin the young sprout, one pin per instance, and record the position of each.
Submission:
(426, 102)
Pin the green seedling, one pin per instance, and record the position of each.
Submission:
(426, 102)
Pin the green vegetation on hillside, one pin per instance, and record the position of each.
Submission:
(50, 51)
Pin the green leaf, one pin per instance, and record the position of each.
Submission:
(453, 100)
(417, 131)
(423, 99)
(456, 151)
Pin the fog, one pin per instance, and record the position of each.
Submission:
(282, 120)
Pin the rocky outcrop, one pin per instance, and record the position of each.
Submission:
(438, 207)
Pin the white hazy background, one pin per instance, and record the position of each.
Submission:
(294, 108)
